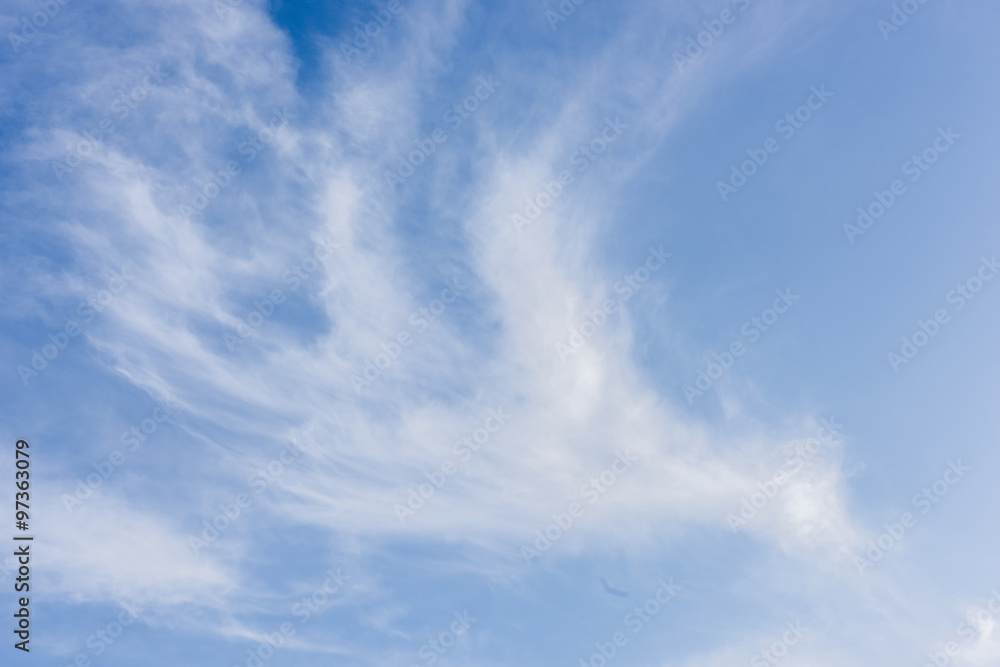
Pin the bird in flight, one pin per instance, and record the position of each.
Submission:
(614, 591)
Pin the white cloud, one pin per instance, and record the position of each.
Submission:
(494, 348)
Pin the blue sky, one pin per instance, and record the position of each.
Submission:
(387, 309)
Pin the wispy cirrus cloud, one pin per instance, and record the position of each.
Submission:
(319, 180)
